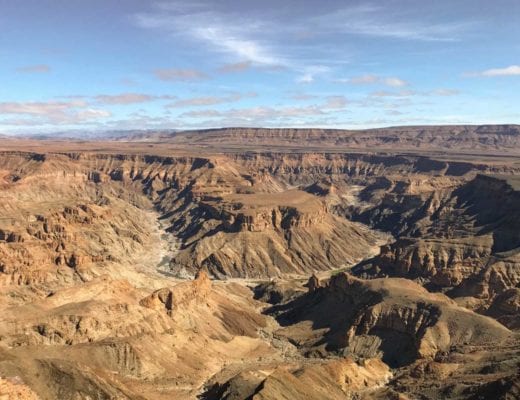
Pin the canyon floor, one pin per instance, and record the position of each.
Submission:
(262, 264)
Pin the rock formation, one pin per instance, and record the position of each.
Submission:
(392, 318)
(263, 264)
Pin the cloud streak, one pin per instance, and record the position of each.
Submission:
(370, 79)
(179, 75)
(235, 67)
(34, 69)
(266, 115)
(129, 98)
(377, 21)
(54, 112)
(218, 30)
(512, 70)
(210, 100)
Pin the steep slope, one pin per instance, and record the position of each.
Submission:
(436, 348)
(266, 235)
(464, 238)
(65, 212)
(395, 319)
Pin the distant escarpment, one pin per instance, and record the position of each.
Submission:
(425, 138)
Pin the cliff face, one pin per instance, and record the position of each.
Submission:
(259, 234)
(464, 239)
(253, 215)
(58, 226)
(231, 219)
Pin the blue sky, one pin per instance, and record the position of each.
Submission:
(107, 64)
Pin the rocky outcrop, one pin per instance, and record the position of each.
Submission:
(14, 388)
(395, 319)
(268, 235)
(180, 295)
(506, 308)
(335, 380)
(463, 240)
(313, 283)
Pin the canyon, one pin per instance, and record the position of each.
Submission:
(248, 263)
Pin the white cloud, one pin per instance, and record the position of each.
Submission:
(39, 108)
(306, 78)
(54, 112)
(512, 70)
(181, 75)
(445, 92)
(370, 79)
(90, 113)
(263, 115)
(220, 31)
(227, 41)
(394, 82)
(124, 98)
(210, 100)
(310, 72)
(361, 80)
(335, 102)
(260, 113)
(401, 93)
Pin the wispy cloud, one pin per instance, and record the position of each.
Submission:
(512, 70)
(335, 102)
(129, 98)
(218, 30)
(34, 69)
(370, 79)
(39, 108)
(394, 82)
(54, 112)
(301, 96)
(227, 41)
(181, 75)
(125, 98)
(379, 21)
(260, 113)
(445, 92)
(266, 115)
(310, 72)
(401, 93)
(275, 38)
(210, 100)
(235, 67)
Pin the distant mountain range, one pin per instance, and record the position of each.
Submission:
(455, 137)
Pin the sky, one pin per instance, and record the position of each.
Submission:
(101, 65)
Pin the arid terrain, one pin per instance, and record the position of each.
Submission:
(262, 264)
